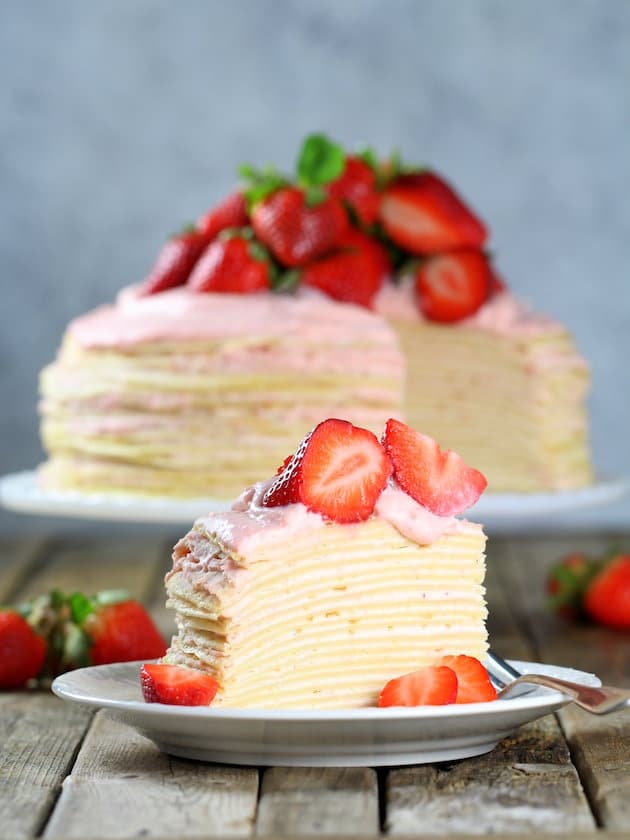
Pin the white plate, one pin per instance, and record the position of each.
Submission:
(21, 492)
(344, 738)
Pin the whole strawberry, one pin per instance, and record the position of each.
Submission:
(232, 264)
(607, 598)
(567, 582)
(229, 213)
(299, 221)
(295, 230)
(119, 629)
(357, 187)
(174, 262)
(22, 650)
(354, 273)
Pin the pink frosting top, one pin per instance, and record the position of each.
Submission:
(180, 314)
(249, 525)
(502, 313)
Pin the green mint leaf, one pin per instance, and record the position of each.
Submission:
(314, 195)
(320, 161)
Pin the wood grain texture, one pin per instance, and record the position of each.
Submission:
(318, 801)
(527, 784)
(123, 786)
(600, 745)
(16, 560)
(40, 736)
(92, 565)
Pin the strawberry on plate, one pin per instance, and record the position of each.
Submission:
(435, 685)
(339, 471)
(295, 232)
(452, 286)
(229, 213)
(473, 682)
(423, 214)
(357, 187)
(22, 650)
(174, 262)
(440, 481)
(353, 274)
(176, 686)
(607, 597)
(234, 264)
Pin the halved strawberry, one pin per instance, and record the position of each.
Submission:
(177, 686)
(435, 685)
(339, 470)
(440, 481)
(235, 265)
(229, 213)
(423, 214)
(452, 286)
(473, 682)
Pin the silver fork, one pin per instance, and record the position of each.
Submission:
(600, 700)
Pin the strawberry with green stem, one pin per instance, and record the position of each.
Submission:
(234, 263)
(299, 222)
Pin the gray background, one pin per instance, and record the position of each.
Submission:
(122, 120)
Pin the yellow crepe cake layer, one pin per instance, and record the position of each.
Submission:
(204, 393)
(303, 613)
(514, 405)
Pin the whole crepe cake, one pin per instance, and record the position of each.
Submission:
(345, 580)
(359, 288)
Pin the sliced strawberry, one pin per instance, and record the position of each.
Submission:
(177, 686)
(452, 286)
(294, 232)
(22, 651)
(607, 598)
(473, 682)
(440, 481)
(357, 187)
(229, 213)
(174, 262)
(234, 265)
(353, 274)
(435, 685)
(339, 470)
(423, 214)
(122, 632)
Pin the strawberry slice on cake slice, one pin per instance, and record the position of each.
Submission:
(331, 578)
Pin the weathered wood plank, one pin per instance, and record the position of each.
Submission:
(318, 801)
(600, 746)
(527, 784)
(16, 560)
(95, 564)
(123, 786)
(40, 736)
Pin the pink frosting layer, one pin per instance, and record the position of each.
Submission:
(503, 313)
(248, 526)
(180, 315)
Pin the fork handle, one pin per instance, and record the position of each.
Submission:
(597, 699)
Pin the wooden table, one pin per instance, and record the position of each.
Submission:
(65, 773)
